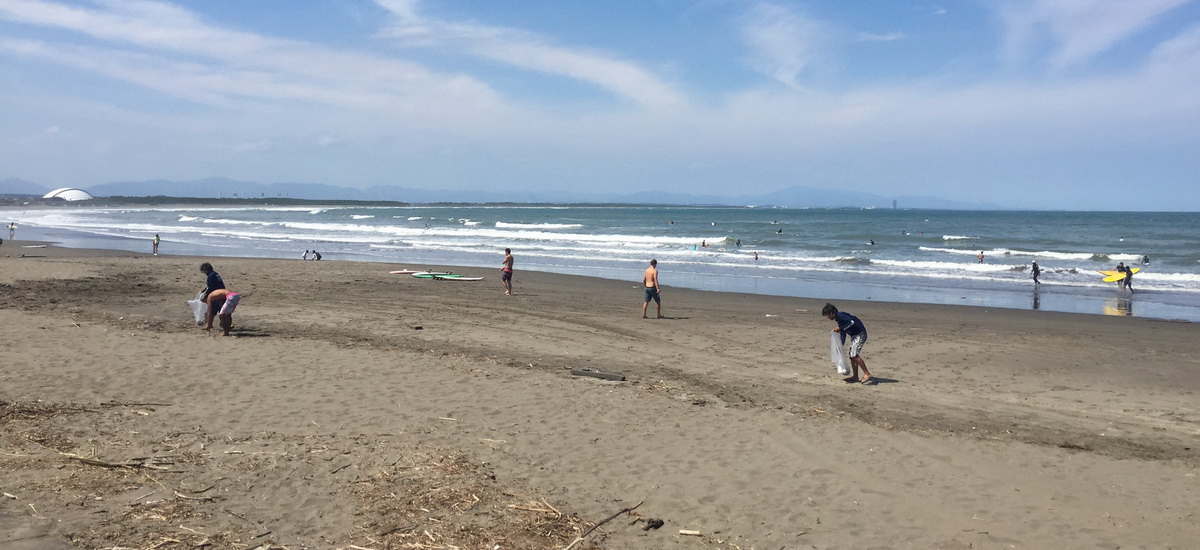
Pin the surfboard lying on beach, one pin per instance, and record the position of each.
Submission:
(430, 274)
(403, 272)
(1114, 276)
(456, 277)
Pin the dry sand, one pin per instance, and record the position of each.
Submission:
(354, 408)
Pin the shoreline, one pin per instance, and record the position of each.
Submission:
(344, 384)
(1047, 297)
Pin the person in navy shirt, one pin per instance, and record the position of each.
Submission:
(214, 280)
(849, 325)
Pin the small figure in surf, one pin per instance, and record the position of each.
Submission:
(154, 250)
(1037, 271)
(849, 325)
(980, 256)
(1145, 260)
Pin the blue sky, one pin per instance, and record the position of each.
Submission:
(1075, 104)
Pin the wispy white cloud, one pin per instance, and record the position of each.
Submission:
(170, 50)
(783, 42)
(1078, 29)
(885, 37)
(529, 51)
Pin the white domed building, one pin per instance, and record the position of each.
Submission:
(69, 194)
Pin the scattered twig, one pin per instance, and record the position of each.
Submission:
(596, 526)
(401, 529)
(340, 468)
(185, 497)
(551, 506)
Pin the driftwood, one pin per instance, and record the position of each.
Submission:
(598, 374)
(596, 526)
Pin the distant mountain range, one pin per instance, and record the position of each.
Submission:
(792, 197)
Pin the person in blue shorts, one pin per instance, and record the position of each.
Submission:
(650, 279)
(849, 325)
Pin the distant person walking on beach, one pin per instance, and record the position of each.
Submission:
(849, 325)
(650, 279)
(212, 283)
(156, 241)
(506, 271)
(1037, 271)
(221, 303)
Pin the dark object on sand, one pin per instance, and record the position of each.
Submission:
(598, 374)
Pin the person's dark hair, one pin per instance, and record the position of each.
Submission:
(829, 310)
(653, 262)
(206, 267)
(507, 251)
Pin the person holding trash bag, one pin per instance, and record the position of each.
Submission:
(849, 325)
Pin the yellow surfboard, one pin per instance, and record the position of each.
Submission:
(1114, 276)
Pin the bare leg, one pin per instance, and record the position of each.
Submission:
(859, 363)
(658, 307)
(226, 323)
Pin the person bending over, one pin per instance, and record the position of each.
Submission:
(849, 325)
(222, 302)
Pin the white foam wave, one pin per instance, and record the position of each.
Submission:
(412, 218)
(513, 225)
(361, 216)
(188, 218)
(956, 237)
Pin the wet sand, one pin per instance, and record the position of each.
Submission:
(353, 407)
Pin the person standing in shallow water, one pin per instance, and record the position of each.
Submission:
(506, 271)
(156, 241)
(1037, 271)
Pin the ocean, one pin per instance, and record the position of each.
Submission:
(895, 255)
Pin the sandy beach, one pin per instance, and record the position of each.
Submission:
(353, 408)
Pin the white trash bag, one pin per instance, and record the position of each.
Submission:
(837, 354)
(199, 308)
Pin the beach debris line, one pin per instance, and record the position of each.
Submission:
(602, 522)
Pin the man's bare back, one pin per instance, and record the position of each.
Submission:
(651, 277)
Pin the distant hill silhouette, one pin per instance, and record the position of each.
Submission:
(213, 188)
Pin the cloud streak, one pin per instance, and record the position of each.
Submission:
(1079, 29)
(528, 51)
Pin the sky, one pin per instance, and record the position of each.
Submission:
(1040, 104)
